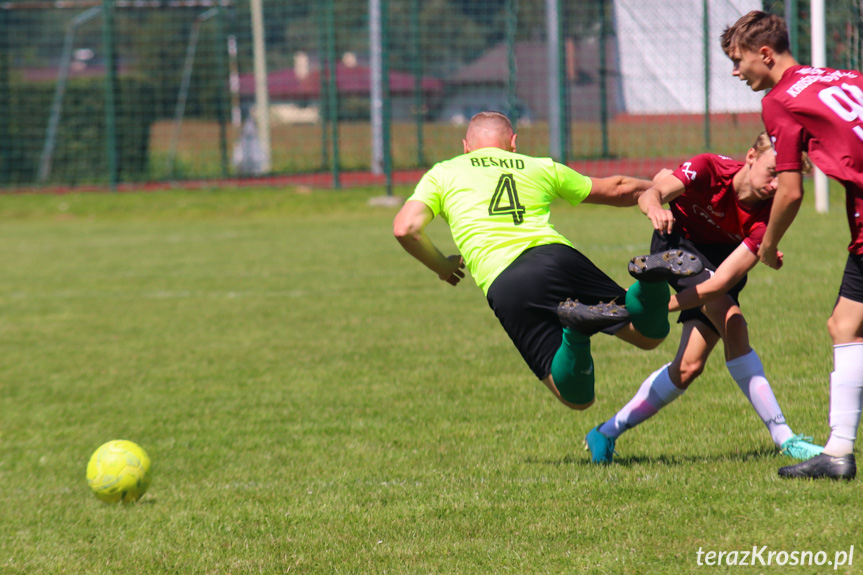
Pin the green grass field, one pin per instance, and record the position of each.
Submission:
(315, 401)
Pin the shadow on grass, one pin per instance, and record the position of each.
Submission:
(668, 460)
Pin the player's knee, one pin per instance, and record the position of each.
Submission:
(576, 406)
(653, 327)
(735, 324)
(574, 388)
(837, 328)
(648, 343)
(634, 337)
(572, 374)
(648, 308)
(579, 405)
(579, 401)
(689, 372)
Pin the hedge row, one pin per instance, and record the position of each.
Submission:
(80, 152)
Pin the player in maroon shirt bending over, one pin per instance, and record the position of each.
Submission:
(819, 110)
(719, 210)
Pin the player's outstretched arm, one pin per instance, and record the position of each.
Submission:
(786, 204)
(409, 229)
(723, 279)
(619, 191)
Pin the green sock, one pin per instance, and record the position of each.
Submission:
(647, 304)
(572, 368)
(573, 337)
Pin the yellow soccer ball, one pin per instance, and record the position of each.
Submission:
(119, 471)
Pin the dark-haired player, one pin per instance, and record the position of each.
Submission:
(819, 110)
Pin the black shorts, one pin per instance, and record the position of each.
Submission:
(712, 255)
(526, 294)
(852, 279)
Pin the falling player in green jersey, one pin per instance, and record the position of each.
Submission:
(548, 296)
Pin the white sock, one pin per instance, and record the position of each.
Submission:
(846, 396)
(656, 392)
(748, 372)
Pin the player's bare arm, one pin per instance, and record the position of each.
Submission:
(661, 174)
(786, 204)
(409, 229)
(650, 202)
(619, 191)
(723, 279)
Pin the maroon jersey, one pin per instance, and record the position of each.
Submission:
(708, 211)
(820, 110)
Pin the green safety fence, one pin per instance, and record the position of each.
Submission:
(335, 92)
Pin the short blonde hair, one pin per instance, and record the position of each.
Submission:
(491, 119)
(763, 144)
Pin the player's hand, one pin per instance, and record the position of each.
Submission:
(770, 256)
(663, 220)
(454, 274)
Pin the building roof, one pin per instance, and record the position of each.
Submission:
(354, 80)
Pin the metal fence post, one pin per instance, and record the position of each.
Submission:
(5, 93)
(380, 88)
(223, 74)
(603, 78)
(558, 122)
(419, 106)
(819, 60)
(791, 20)
(333, 90)
(511, 25)
(262, 94)
(385, 84)
(323, 104)
(110, 90)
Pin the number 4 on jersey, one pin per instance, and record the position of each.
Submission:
(505, 200)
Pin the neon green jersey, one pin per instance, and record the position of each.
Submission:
(497, 205)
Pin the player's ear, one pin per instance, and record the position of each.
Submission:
(512, 142)
(751, 155)
(766, 53)
(466, 146)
